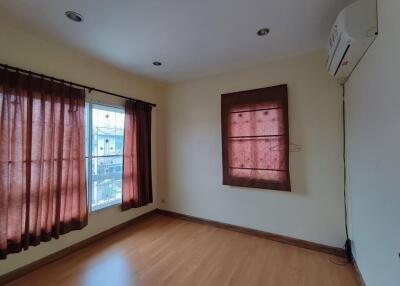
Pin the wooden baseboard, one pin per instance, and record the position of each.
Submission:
(358, 273)
(275, 237)
(17, 273)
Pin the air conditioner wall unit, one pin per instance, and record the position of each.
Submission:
(354, 30)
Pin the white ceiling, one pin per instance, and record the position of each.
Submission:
(192, 38)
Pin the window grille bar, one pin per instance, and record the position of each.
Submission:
(103, 156)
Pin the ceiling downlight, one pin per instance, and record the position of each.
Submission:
(263, 32)
(74, 16)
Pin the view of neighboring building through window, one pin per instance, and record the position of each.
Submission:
(104, 150)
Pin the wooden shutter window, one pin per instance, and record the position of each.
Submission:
(255, 138)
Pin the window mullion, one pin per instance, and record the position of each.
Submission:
(90, 184)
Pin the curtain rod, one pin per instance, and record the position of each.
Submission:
(90, 89)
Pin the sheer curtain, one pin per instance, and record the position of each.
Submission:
(42, 160)
(136, 178)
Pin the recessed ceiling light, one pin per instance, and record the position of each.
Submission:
(74, 16)
(263, 32)
(157, 64)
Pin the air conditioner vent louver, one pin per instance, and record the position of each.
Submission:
(353, 32)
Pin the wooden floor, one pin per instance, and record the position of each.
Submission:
(161, 250)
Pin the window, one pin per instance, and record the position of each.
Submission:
(104, 151)
(255, 138)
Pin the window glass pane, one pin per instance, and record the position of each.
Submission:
(119, 120)
(87, 129)
(106, 181)
(105, 161)
(107, 131)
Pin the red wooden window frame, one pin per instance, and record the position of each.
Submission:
(255, 138)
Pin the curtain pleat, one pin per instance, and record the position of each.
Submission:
(137, 179)
(42, 160)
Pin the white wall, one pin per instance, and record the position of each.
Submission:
(192, 163)
(30, 52)
(373, 155)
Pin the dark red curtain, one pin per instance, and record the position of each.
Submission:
(42, 160)
(255, 138)
(137, 181)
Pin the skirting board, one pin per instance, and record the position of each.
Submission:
(271, 236)
(15, 274)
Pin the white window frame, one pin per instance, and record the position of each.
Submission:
(89, 156)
